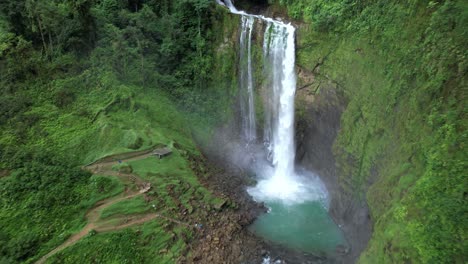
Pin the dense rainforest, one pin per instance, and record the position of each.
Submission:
(81, 80)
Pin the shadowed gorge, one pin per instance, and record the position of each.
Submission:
(233, 131)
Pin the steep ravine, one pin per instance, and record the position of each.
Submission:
(319, 106)
(381, 116)
(317, 125)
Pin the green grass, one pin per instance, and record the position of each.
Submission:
(130, 118)
(134, 118)
(105, 118)
(173, 172)
(135, 205)
(173, 166)
(85, 104)
(106, 186)
(143, 244)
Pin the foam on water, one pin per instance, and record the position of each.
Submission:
(288, 190)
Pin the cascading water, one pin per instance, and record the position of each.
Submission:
(279, 55)
(246, 80)
(281, 183)
(297, 201)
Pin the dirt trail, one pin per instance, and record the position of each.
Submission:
(93, 215)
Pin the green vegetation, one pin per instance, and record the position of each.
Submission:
(81, 80)
(114, 86)
(150, 242)
(136, 205)
(175, 187)
(43, 202)
(402, 66)
(212, 104)
(173, 182)
(123, 167)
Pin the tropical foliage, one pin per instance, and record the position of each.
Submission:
(83, 79)
(402, 66)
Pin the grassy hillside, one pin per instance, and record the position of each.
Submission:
(149, 243)
(81, 80)
(402, 66)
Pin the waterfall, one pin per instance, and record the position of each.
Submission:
(267, 126)
(297, 200)
(280, 58)
(246, 80)
(279, 181)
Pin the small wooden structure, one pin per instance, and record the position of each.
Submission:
(145, 187)
(161, 152)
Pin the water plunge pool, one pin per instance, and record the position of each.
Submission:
(306, 227)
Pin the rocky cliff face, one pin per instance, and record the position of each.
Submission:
(319, 107)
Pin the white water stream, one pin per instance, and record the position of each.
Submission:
(246, 80)
(278, 182)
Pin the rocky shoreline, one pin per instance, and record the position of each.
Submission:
(225, 237)
(230, 241)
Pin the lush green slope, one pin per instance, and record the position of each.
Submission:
(109, 89)
(402, 66)
(84, 79)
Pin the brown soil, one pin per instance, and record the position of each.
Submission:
(224, 237)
